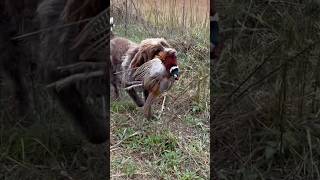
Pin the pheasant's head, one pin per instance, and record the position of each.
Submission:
(169, 58)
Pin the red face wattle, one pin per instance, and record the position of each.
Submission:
(172, 66)
(170, 62)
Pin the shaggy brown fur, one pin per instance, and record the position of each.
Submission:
(148, 49)
(118, 48)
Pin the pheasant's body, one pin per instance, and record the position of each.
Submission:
(156, 76)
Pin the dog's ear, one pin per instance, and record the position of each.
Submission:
(127, 58)
(140, 57)
(148, 50)
(164, 43)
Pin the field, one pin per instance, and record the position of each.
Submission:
(266, 86)
(43, 142)
(175, 145)
(51, 148)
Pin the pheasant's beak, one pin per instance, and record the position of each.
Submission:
(176, 77)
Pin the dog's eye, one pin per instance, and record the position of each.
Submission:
(157, 51)
(163, 44)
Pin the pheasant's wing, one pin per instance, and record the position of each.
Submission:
(151, 82)
(142, 71)
(151, 73)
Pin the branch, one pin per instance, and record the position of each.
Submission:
(133, 86)
(74, 78)
(77, 67)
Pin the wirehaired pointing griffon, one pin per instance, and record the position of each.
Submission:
(156, 76)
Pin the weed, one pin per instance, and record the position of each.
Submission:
(189, 175)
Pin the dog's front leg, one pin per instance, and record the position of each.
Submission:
(135, 97)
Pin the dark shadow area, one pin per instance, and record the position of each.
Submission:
(54, 89)
(265, 91)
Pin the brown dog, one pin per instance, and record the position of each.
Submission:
(118, 48)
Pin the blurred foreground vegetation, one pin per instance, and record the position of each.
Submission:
(266, 88)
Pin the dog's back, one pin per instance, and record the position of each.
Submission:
(118, 48)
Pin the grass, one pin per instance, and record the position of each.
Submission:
(266, 131)
(51, 148)
(157, 146)
(174, 145)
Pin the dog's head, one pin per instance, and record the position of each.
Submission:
(148, 49)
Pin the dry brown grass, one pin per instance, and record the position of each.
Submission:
(185, 13)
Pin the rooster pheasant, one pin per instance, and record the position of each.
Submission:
(156, 76)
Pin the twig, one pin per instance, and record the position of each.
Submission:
(164, 100)
(190, 155)
(129, 69)
(114, 146)
(162, 106)
(82, 65)
(133, 86)
(138, 173)
(76, 77)
(49, 29)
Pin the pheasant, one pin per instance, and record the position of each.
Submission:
(156, 76)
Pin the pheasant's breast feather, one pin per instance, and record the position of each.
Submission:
(157, 67)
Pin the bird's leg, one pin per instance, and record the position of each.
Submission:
(147, 105)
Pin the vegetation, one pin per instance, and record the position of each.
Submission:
(175, 145)
(266, 89)
(51, 148)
